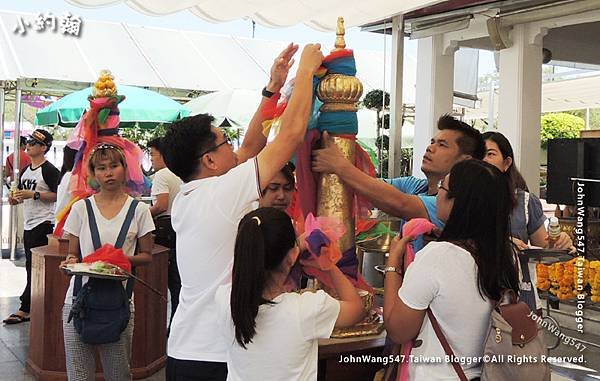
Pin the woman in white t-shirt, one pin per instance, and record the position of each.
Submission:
(110, 205)
(273, 334)
(456, 277)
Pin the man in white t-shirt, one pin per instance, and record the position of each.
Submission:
(210, 204)
(37, 192)
(165, 186)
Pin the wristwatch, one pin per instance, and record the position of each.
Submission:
(36, 195)
(266, 93)
(390, 269)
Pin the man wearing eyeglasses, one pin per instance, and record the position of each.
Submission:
(37, 192)
(219, 186)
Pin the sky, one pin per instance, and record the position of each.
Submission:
(242, 28)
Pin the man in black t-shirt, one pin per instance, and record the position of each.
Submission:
(37, 192)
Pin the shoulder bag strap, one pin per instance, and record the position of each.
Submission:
(445, 345)
(121, 240)
(526, 202)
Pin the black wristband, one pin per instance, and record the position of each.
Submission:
(36, 195)
(266, 93)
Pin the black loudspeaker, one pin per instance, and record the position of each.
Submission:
(591, 152)
(568, 158)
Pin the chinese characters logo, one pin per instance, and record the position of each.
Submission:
(67, 24)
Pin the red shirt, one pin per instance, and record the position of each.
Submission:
(24, 162)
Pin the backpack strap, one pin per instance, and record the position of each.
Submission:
(121, 241)
(440, 335)
(93, 226)
(126, 224)
(97, 243)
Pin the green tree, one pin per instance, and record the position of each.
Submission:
(141, 136)
(374, 100)
(560, 125)
(594, 117)
(378, 100)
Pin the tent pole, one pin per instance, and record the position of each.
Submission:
(396, 102)
(587, 119)
(491, 124)
(1, 164)
(16, 170)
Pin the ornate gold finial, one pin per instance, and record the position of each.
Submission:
(339, 92)
(340, 31)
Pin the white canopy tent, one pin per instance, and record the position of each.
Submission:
(572, 94)
(234, 106)
(237, 107)
(156, 58)
(317, 14)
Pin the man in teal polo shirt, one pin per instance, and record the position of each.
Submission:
(409, 197)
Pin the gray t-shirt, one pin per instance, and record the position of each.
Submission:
(523, 223)
(522, 226)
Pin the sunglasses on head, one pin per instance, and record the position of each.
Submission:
(103, 146)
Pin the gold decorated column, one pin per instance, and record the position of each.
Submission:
(339, 93)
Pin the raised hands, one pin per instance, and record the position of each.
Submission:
(281, 67)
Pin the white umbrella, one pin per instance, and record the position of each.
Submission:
(233, 106)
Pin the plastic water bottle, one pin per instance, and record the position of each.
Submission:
(13, 188)
(553, 232)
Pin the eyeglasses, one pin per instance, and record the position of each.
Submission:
(226, 141)
(441, 186)
(32, 142)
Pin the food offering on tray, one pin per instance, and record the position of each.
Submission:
(561, 279)
(97, 269)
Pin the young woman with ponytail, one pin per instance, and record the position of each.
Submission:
(273, 334)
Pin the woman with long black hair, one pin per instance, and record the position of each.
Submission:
(526, 218)
(456, 277)
(63, 196)
(273, 334)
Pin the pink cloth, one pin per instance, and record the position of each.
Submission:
(414, 228)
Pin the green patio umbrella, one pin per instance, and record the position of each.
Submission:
(148, 108)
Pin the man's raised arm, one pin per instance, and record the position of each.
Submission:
(382, 195)
(254, 140)
(294, 119)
